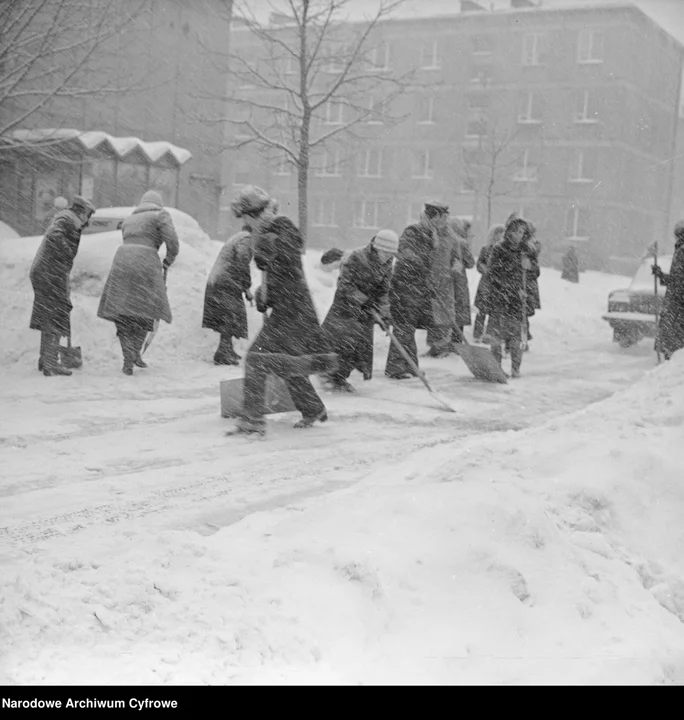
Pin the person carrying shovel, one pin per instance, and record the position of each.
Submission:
(511, 258)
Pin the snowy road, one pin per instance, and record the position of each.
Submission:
(150, 451)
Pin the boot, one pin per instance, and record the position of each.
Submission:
(129, 353)
(51, 364)
(516, 360)
(139, 341)
(307, 422)
(225, 355)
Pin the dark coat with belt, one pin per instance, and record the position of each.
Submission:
(291, 342)
(482, 294)
(50, 274)
(135, 286)
(364, 282)
(412, 290)
(460, 280)
(229, 280)
(671, 327)
(505, 274)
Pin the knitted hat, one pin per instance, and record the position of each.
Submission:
(61, 203)
(386, 240)
(152, 196)
(251, 200)
(80, 204)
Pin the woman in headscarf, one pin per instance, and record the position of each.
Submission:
(134, 295)
(481, 296)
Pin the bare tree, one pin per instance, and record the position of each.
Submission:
(307, 64)
(45, 50)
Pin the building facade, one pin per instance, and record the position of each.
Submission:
(566, 115)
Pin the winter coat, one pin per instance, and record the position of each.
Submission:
(291, 342)
(671, 327)
(50, 274)
(364, 282)
(482, 294)
(505, 275)
(135, 286)
(444, 255)
(532, 279)
(412, 290)
(460, 280)
(229, 279)
(570, 266)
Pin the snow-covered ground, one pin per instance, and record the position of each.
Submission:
(533, 537)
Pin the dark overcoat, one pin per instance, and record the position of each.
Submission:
(505, 274)
(135, 286)
(412, 290)
(291, 342)
(482, 294)
(364, 281)
(229, 280)
(50, 274)
(532, 278)
(671, 327)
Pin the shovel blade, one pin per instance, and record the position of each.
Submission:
(481, 363)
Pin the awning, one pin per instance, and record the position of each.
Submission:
(92, 140)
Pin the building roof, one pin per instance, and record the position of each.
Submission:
(96, 140)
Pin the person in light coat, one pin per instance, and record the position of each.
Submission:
(134, 295)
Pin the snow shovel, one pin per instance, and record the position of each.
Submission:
(388, 330)
(155, 327)
(480, 361)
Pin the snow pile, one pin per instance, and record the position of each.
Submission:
(6, 232)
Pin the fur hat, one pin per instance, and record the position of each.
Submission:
(251, 200)
(152, 196)
(432, 209)
(331, 256)
(61, 203)
(386, 240)
(80, 204)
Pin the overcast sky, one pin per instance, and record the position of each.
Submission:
(669, 13)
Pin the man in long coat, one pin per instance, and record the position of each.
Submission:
(50, 280)
(509, 263)
(415, 301)
(224, 305)
(291, 344)
(363, 287)
(671, 327)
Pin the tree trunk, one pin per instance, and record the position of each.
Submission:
(303, 177)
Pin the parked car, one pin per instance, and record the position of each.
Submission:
(106, 219)
(632, 311)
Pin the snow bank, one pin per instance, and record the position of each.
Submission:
(6, 232)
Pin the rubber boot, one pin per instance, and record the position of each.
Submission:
(129, 353)
(225, 355)
(51, 364)
(516, 360)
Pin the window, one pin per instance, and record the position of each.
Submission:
(476, 128)
(590, 47)
(426, 109)
(377, 111)
(334, 66)
(583, 167)
(429, 56)
(473, 157)
(478, 101)
(577, 223)
(424, 165)
(282, 166)
(379, 57)
(533, 47)
(324, 212)
(482, 45)
(334, 112)
(586, 110)
(329, 165)
(368, 214)
(290, 65)
(530, 108)
(528, 167)
(469, 184)
(481, 74)
(371, 164)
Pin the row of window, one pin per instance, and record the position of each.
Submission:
(590, 50)
(372, 214)
(531, 107)
(371, 164)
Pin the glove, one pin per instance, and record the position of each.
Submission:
(166, 264)
(657, 271)
(527, 263)
(248, 296)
